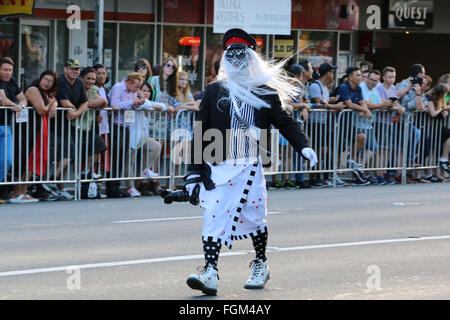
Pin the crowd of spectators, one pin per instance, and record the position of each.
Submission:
(110, 146)
(113, 147)
(377, 137)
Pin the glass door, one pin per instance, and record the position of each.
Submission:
(35, 39)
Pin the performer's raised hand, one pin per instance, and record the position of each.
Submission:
(309, 154)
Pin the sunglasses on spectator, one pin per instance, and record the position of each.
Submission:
(48, 80)
(170, 66)
(141, 67)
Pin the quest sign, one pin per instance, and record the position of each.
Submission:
(409, 14)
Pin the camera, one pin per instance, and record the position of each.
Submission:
(182, 196)
(417, 80)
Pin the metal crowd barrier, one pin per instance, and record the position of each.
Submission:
(130, 137)
(37, 156)
(29, 136)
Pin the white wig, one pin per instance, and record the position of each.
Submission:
(256, 76)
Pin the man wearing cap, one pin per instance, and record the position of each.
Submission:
(319, 96)
(72, 96)
(249, 95)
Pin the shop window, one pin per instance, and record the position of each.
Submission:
(214, 52)
(344, 42)
(61, 46)
(35, 52)
(175, 11)
(7, 38)
(136, 40)
(284, 48)
(184, 44)
(316, 46)
(108, 48)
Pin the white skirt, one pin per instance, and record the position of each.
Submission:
(236, 208)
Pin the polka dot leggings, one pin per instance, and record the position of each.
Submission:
(260, 244)
(211, 250)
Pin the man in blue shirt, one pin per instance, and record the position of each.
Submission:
(351, 95)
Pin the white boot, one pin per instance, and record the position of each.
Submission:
(206, 281)
(259, 275)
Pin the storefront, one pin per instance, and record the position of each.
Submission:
(410, 32)
(321, 31)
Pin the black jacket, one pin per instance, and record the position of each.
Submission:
(213, 117)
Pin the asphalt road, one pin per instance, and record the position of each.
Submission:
(375, 242)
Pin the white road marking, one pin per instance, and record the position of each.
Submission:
(200, 256)
(177, 218)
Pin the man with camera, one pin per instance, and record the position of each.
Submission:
(417, 72)
(411, 93)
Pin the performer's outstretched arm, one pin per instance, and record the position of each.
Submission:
(289, 128)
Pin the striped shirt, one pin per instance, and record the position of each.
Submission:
(242, 144)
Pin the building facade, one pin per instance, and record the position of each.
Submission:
(155, 29)
(321, 30)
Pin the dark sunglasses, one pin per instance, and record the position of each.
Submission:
(171, 66)
(141, 67)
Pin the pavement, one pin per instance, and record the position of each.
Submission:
(373, 242)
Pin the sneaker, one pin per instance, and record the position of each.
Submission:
(289, 184)
(433, 178)
(444, 165)
(147, 173)
(340, 182)
(316, 183)
(134, 193)
(352, 164)
(327, 184)
(371, 179)
(50, 188)
(302, 185)
(23, 198)
(278, 184)
(206, 281)
(390, 181)
(358, 175)
(48, 197)
(259, 275)
(64, 195)
(38, 192)
(381, 180)
(2, 201)
(358, 180)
